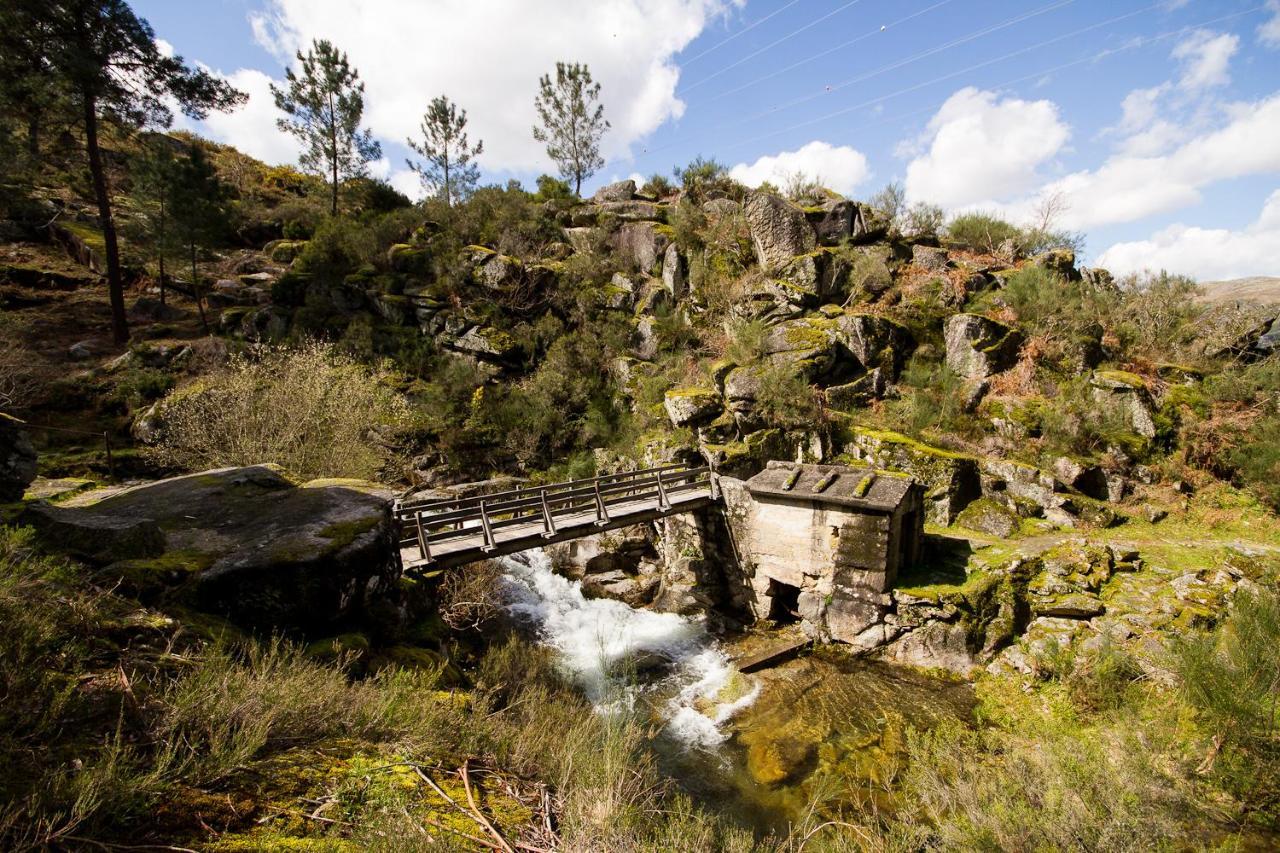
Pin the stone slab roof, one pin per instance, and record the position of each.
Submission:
(855, 488)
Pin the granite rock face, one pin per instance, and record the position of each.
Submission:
(779, 230)
(978, 347)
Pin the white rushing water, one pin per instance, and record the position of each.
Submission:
(598, 642)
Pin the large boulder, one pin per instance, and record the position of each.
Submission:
(252, 545)
(875, 341)
(17, 459)
(1126, 393)
(93, 536)
(978, 346)
(692, 406)
(641, 244)
(951, 479)
(779, 230)
(620, 191)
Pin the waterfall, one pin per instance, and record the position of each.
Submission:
(601, 644)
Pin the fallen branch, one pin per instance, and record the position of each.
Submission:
(484, 821)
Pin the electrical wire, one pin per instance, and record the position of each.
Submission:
(767, 47)
(829, 51)
(740, 32)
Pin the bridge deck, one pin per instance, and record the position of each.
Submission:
(448, 533)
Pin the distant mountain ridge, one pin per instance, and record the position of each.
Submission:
(1259, 288)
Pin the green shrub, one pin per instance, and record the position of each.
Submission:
(310, 409)
(704, 178)
(982, 232)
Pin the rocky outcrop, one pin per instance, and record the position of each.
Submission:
(951, 479)
(779, 231)
(978, 347)
(246, 543)
(692, 406)
(17, 459)
(641, 245)
(95, 537)
(1128, 394)
(620, 191)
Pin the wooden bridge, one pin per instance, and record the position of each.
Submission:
(438, 534)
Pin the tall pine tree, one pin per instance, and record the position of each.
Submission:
(448, 172)
(324, 102)
(572, 122)
(200, 215)
(107, 60)
(155, 178)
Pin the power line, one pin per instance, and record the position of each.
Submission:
(768, 47)
(1017, 19)
(894, 66)
(740, 32)
(830, 51)
(1140, 42)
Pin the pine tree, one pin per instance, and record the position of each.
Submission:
(106, 58)
(324, 102)
(572, 122)
(200, 215)
(448, 172)
(155, 175)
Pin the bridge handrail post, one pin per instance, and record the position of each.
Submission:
(424, 549)
(547, 521)
(602, 514)
(664, 503)
(488, 531)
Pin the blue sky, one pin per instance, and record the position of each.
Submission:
(1154, 127)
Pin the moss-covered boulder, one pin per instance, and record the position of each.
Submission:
(1127, 393)
(252, 545)
(94, 536)
(978, 346)
(951, 479)
(986, 515)
(692, 406)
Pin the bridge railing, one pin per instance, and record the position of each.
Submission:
(428, 523)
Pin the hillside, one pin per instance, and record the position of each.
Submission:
(1098, 461)
(1262, 289)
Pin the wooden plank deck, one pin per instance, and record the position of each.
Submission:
(525, 537)
(446, 533)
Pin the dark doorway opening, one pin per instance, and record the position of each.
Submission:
(784, 604)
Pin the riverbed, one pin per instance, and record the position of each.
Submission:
(814, 734)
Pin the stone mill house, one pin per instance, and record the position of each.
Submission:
(826, 543)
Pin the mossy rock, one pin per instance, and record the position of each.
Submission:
(989, 516)
(351, 646)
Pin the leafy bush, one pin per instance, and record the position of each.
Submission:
(922, 221)
(982, 232)
(658, 186)
(553, 189)
(785, 399)
(310, 409)
(705, 178)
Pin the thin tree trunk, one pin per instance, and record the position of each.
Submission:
(333, 155)
(115, 280)
(33, 139)
(195, 289)
(161, 241)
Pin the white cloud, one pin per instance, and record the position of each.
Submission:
(1269, 31)
(838, 167)
(1126, 188)
(1205, 57)
(981, 148)
(1205, 253)
(408, 182)
(252, 127)
(1145, 133)
(481, 54)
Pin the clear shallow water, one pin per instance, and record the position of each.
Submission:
(817, 733)
(627, 659)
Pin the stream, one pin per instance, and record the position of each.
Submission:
(819, 732)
